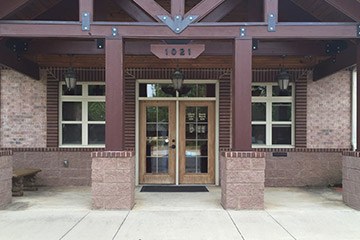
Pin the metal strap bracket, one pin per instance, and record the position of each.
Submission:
(358, 30)
(114, 32)
(178, 24)
(85, 21)
(242, 33)
(271, 22)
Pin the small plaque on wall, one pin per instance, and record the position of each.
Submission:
(279, 154)
(177, 51)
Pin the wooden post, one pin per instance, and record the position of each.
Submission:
(241, 95)
(270, 7)
(114, 79)
(177, 7)
(86, 6)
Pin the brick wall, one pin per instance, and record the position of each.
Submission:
(5, 178)
(53, 172)
(351, 180)
(242, 180)
(23, 110)
(303, 169)
(329, 111)
(113, 180)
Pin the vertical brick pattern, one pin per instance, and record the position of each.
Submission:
(52, 111)
(113, 182)
(53, 171)
(300, 169)
(23, 110)
(300, 111)
(351, 181)
(242, 182)
(5, 180)
(225, 111)
(329, 112)
(129, 114)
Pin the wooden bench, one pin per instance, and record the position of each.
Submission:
(24, 179)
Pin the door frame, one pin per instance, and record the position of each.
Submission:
(177, 99)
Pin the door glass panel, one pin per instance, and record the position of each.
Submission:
(157, 139)
(196, 151)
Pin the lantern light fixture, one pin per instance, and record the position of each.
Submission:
(70, 78)
(283, 78)
(177, 79)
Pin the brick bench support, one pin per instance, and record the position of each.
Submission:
(242, 180)
(113, 180)
(6, 171)
(351, 179)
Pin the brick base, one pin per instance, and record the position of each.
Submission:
(351, 181)
(242, 180)
(5, 179)
(113, 180)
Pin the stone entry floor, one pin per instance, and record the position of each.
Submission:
(291, 213)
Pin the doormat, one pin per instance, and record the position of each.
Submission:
(174, 189)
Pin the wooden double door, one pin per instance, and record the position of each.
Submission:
(177, 142)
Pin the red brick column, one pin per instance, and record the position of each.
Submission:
(5, 178)
(242, 180)
(113, 180)
(351, 179)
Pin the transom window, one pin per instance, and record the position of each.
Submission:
(82, 115)
(272, 115)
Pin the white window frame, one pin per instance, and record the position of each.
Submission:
(269, 100)
(84, 99)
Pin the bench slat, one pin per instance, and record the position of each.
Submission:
(25, 172)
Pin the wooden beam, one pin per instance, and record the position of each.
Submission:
(114, 79)
(177, 8)
(24, 66)
(84, 47)
(271, 9)
(221, 11)
(349, 7)
(343, 60)
(203, 8)
(152, 8)
(241, 91)
(195, 31)
(134, 11)
(8, 7)
(86, 6)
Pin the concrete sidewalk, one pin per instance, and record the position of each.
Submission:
(291, 213)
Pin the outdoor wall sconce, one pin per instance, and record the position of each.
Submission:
(70, 78)
(177, 79)
(283, 79)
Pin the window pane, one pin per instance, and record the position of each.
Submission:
(96, 133)
(281, 111)
(281, 93)
(281, 134)
(77, 91)
(259, 111)
(259, 91)
(198, 90)
(71, 133)
(71, 111)
(96, 90)
(96, 111)
(156, 90)
(258, 134)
